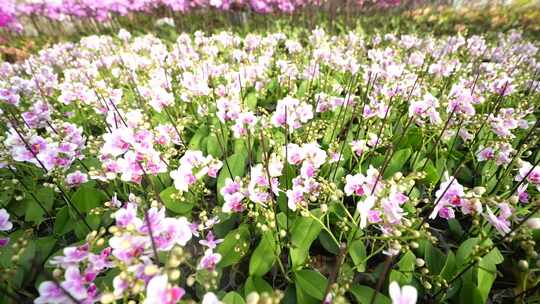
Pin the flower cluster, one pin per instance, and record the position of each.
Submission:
(164, 171)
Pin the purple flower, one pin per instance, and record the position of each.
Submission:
(72, 256)
(75, 283)
(354, 184)
(159, 291)
(501, 222)
(5, 224)
(76, 178)
(210, 241)
(50, 292)
(485, 154)
(172, 231)
(209, 260)
(449, 195)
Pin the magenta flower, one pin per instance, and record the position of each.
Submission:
(210, 242)
(72, 256)
(292, 113)
(354, 184)
(75, 283)
(209, 260)
(76, 178)
(485, 154)
(533, 176)
(501, 222)
(452, 197)
(173, 231)
(51, 293)
(5, 224)
(159, 291)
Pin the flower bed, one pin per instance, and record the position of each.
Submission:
(271, 168)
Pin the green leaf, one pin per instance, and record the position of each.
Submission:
(364, 294)
(312, 282)
(405, 266)
(435, 259)
(413, 138)
(176, 205)
(303, 89)
(251, 101)
(34, 212)
(304, 231)
(62, 223)
(234, 246)
(195, 142)
(45, 245)
(86, 198)
(357, 251)
(233, 298)
(469, 293)
(455, 228)
(212, 146)
(464, 251)
(290, 295)
(257, 284)
(398, 161)
(304, 298)
(449, 266)
(432, 175)
(487, 272)
(263, 256)
(327, 242)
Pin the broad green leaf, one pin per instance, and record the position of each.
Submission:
(212, 146)
(364, 294)
(233, 298)
(487, 272)
(413, 138)
(305, 298)
(327, 242)
(45, 246)
(455, 228)
(62, 223)
(290, 295)
(304, 231)
(263, 256)
(81, 230)
(357, 251)
(464, 251)
(86, 198)
(432, 175)
(251, 101)
(398, 161)
(234, 246)
(176, 205)
(303, 89)
(405, 267)
(449, 266)
(312, 282)
(195, 142)
(106, 280)
(258, 284)
(469, 292)
(435, 259)
(34, 212)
